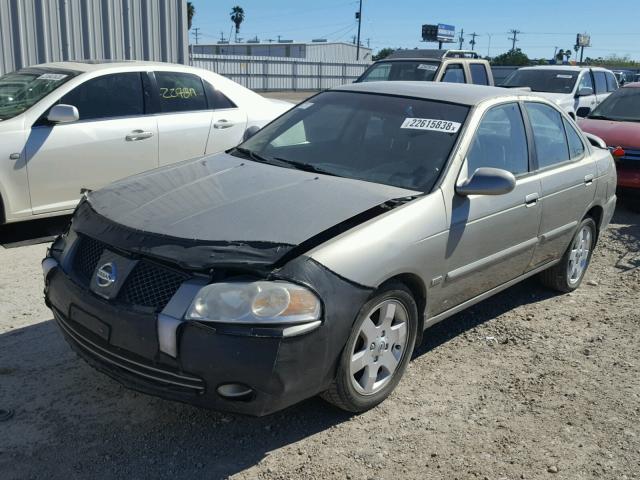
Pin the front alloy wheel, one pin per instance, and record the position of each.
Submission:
(378, 350)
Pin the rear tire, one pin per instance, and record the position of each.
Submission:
(377, 351)
(567, 275)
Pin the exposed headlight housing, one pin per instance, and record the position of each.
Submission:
(262, 302)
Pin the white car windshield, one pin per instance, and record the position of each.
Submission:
(22, 89)
(543, 80)
(398, 141)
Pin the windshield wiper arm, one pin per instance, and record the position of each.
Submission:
(307, 167)
(251, 154)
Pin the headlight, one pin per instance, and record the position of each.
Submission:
(255, 303)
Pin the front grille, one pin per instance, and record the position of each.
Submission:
(124, 362)
(86, 258)
(148, 285)
(151, 285)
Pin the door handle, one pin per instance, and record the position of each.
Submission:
(588, 179)
(136, 135)
(220, 124)
(531, 199)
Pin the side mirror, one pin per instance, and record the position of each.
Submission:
(583, 112)
(250, 132)
(585, 92)
(63, 114)
(487, 181)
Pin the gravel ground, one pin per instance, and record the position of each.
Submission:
(526, 385)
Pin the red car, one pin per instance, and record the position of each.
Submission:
(617, 121)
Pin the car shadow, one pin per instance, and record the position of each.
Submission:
(32, 232)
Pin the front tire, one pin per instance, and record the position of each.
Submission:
(377, 351)
(567, 275)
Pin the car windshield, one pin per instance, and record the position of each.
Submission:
(552, 81)
(622, 105)
(398, 141)
(421, 71)
(22, 89)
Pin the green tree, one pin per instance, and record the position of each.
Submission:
(191, 11)
(514, 58)
(383, 53)
(237, 17)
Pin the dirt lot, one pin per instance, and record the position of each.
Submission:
(525, 385)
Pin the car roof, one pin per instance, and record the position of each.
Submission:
(430, 54)
(461, 93)
(570, 68)
(85, 66)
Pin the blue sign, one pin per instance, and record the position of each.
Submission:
(446, 33)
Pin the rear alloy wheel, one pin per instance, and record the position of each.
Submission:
(567, 275)
(377, 352)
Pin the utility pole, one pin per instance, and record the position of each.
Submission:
(473, 40)
(461, 39)
(489, 46)
(196, 34)
(359, 18)
(221, 36)
(514, 39)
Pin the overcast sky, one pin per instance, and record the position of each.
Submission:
(545, 24)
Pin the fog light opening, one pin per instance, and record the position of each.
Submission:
(235, 391)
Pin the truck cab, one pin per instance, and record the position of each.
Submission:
(454, 66)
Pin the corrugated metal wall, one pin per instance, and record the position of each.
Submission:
(38, 31)
(280, 73)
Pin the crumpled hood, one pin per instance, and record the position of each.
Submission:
(615, 134)
(227, 202)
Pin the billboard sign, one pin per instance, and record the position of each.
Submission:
(446, 33)
(438, 33)
(583, 40)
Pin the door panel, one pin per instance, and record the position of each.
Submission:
(491, 237)
(227, 130)
(112, 140)
(183, 135)
(185, 116)
(66, 158)
(566, 180)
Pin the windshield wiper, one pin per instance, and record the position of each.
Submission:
(250, 154)
(599, 117)
(306, 167)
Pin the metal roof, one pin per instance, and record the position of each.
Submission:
(461, 93)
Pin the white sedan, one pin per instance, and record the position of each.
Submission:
(74, 126)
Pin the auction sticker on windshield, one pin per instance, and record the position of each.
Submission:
(426, 66)
(431, 124)
(56, 77)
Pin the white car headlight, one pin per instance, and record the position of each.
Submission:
(260, 302)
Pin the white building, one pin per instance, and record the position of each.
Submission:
(317, 51)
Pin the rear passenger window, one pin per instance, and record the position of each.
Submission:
(601, 82)
(548, 134)
(612, 84)
(500, 141)
(576, 147)
(221, 101)
(454, 74)
(108, 96)
(180, 92)
(479, 74)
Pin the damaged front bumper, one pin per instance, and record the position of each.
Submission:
(246, 369)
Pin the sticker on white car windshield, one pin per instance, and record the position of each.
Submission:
(426, 66)
(305, 105)
(56, 77)
(431, 124)
(562, 75)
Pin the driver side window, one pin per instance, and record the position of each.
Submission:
(500, 141)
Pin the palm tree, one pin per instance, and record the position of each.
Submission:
(191, 11)
(237, 17)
